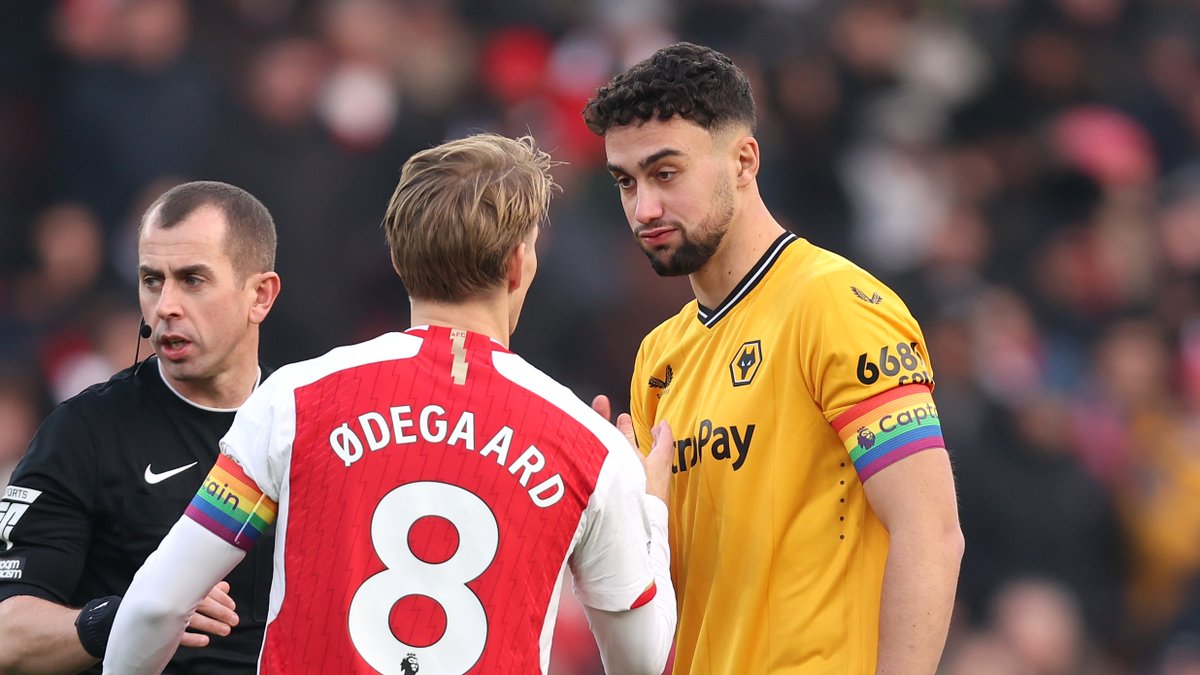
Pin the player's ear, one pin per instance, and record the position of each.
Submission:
(747, 160)
(266, 287)
(516, 266)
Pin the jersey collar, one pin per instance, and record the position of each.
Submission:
(710, 317)
(426, 329)
(192, 403)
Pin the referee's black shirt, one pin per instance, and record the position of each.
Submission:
(101, 485)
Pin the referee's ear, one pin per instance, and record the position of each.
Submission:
(266, 286)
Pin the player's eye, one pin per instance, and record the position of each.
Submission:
(624, 182)
(193, 280)
(664, 175)
(151, 282)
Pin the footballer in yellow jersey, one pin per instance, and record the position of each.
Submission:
(814, 522)
(808, 379)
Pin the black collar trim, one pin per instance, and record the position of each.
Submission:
(710, 317)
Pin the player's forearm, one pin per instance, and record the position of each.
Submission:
(38, 636)
(164, 593)
(639, 641)
(918, 596)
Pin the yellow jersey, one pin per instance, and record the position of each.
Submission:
(807, 380)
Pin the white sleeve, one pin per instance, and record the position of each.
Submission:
(621, 557)
(639, 640)
(610, 563)
(261, 435)
(155, 610)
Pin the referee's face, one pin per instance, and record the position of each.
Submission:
(197, 305)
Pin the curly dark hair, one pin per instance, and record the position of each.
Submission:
(694, 82)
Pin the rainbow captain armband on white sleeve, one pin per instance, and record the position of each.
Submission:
(230, 505)
(888, 427)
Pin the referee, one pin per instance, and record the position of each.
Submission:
(111, 469)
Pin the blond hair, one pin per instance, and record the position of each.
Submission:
(461, 208)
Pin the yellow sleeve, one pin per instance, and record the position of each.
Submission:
(861, 341)
(869, 371)
(643, 418)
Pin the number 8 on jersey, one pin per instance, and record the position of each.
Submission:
(414, 575)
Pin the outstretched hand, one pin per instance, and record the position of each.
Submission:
(657, 463)
(215, 615)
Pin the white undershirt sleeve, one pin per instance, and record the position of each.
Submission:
(156, 609)
(639, 640)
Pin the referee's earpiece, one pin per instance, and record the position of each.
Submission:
(144, 331)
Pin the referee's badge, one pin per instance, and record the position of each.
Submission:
(13, 505)
(745, 363)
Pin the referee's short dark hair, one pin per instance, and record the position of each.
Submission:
(250, 231)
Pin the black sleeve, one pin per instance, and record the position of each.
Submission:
(47, 510)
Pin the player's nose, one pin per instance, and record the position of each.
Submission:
(649, 207)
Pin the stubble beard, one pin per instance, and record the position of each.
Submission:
(697, 248)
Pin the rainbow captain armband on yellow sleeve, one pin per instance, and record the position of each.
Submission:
(888, 427)
(230, 505)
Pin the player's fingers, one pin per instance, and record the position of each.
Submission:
(658, 462)
(625, 426)
(204, 624)
(602, 406)
(214, 609)
(194, 640)
(220, 595)
(663, 441)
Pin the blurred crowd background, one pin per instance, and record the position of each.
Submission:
(1026, 173)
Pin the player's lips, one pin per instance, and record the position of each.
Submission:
(655, 236)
